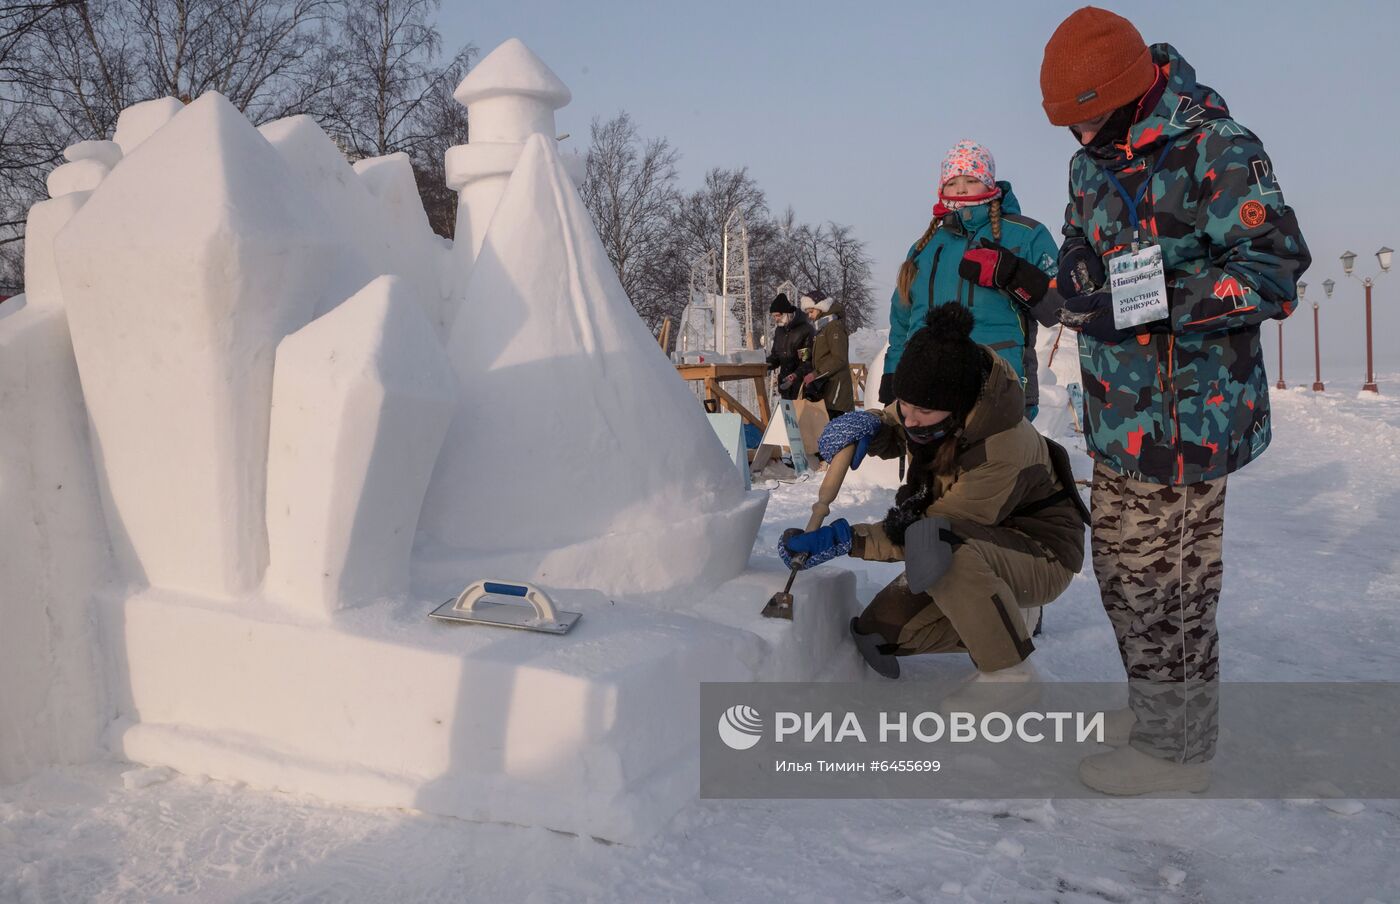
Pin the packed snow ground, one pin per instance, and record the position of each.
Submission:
(1312, 591)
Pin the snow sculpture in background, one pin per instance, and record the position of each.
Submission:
(1056, 415)
(578, 456)
(181, 275)
(361, 401)
(510, 95)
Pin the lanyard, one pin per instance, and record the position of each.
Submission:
(1133, 201)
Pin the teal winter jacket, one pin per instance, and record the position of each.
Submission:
(1001, 324)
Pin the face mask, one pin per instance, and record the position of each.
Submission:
(931, 434)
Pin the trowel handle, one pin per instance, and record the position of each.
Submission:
(477, 590)
(831, 486)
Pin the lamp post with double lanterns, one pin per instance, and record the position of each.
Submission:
(1348, 263)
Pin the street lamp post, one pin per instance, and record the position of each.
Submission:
(1327, 286)
(1383, 257)
(1281, 384)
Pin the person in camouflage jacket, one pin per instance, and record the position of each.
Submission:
(1186, 400)
(1175, 405)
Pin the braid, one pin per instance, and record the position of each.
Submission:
(910, 267)
(995, 215)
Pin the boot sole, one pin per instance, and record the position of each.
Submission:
(1195, 786)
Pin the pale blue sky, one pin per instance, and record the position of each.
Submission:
(843, 110)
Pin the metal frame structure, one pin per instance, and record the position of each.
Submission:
(736, 270)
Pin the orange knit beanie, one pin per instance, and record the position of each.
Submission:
(1095, 62)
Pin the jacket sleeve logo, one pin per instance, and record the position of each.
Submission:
(1252, 214)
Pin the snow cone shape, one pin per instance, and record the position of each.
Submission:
(361, 401)
(180, 275)
(577, 455)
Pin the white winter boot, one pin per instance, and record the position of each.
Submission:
(1010, 690)
(1128, 771)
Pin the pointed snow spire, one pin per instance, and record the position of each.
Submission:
(510, 95)
(607, 461)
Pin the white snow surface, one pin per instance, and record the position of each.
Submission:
(1312, 591)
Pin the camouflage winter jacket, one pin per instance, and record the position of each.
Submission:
(1188, 402)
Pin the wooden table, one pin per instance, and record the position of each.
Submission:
(714, 374)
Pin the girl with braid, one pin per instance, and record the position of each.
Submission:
(980, 252)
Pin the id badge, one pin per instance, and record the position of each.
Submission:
(1139, 286)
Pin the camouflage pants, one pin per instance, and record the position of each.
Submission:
(1157, 556)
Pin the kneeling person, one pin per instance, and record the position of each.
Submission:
(988, 521)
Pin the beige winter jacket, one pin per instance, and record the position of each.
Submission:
(1001, 484)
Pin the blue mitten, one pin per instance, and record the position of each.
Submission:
(857, 427)
(820, 545)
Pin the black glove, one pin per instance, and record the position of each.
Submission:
(993, 267)
(886, 395)
(1092, 315)
(1081, 272)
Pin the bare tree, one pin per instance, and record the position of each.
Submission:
(391, 75)
(630, 192)
(268, 57)
(394, 93)
(850, 267)
(830, 258)
(70, 67)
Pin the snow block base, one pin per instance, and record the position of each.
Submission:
(697, 554)
(593, 733)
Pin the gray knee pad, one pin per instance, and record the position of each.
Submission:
(928, 552)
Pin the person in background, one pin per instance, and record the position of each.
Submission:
(988, 522)
(829, 381)
(1179, 402)
(978, 251)
(790, 352)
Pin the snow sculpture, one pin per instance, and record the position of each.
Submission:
(1055, 416)
(54, 546)
(361, 401)
(181, 275)
(352, 216)
(418, 253)
(140, 121)
(613, 465)
(108, 152)
(78, 176)
(510, 95)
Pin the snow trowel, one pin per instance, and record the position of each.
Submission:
(475, 605)
(780, 606)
